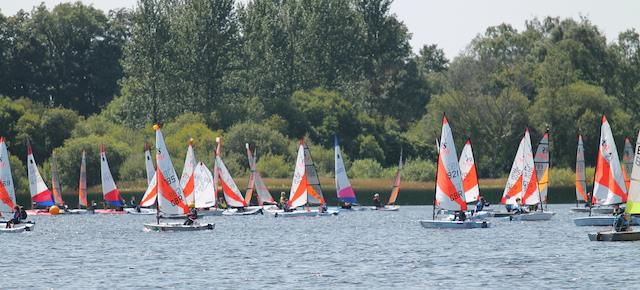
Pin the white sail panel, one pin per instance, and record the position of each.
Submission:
(469, 173)
(40, 193)
(170, 198)
(298, 195)
(609, 187)
(7, 190)
(229, 188)
(530, 193)
(148, 163)
(110, 191)
(264, 196)
(449, 190)
(187, 182)
(343, 186)
(203, 192)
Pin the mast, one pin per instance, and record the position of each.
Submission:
(590, 201)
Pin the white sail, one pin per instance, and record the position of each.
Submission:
(204, 192)
(343, 186)
(40, 193)
(170, 198)
(522, 182)
(469, 173)
(110, 191)
(449, 191)
(541, 161)
(7, 191)
(264, 196)
(150, 195)
(148, 163)
(187, 181)
(298, 195)
(633, 201)
(608, 187)
(229, 188)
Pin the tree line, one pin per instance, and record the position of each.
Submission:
(271, 72)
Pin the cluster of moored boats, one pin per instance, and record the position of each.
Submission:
(527, 186)
(170, 197)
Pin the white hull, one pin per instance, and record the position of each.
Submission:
(387, 208)
(79, 211)
(21, 227)
(355, 208)
(612, 236)
(606, 220)
(143, 211)
(533, 216)
(440, 224)
(178, 227)
(246, 211)
(602, 210)
(210, 212)
(579, 209)
(302, 213)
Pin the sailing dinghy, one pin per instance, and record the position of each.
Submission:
(147, 203)
(581, 179)
(608, 187)
(169, 193)
(232, 195)
(522, 184)
(449, 192)
(344, 191)
(7, 193)
(82, 188)
(40, 195)
(391, 204)
(110, 191)
(305, 189)
(256, 184)
(633, 206)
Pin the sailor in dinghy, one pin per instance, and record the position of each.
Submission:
(622, 231)
(449, 192)
(170, 199)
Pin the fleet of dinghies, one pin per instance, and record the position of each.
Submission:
(199, 190)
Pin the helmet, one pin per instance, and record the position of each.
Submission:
(191, 205)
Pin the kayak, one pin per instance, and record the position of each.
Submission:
(178, 227)
(21, 227)
(532, 216)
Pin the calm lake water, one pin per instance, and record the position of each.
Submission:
(355, 250)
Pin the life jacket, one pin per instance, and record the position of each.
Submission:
(23, 214)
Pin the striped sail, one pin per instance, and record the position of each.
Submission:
(40, 193)
(230, 190)
(627, 161)
(305, 186)
(203, 192)
(256, 183)
(469, 173)
(449, 190)
(298, 196)
(187, 181)
(55, 181)
(522, 181)
(541, 161)
(581, 177)
(170, 198)
(633, 202)
(150, 195)
(148, 163)
(396, 183)
(343, 186)
(110, 191)
(82, 184)
(7, 191)
(608, 186)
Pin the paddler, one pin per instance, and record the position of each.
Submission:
(192, 216)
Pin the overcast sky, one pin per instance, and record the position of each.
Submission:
(451, 24)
